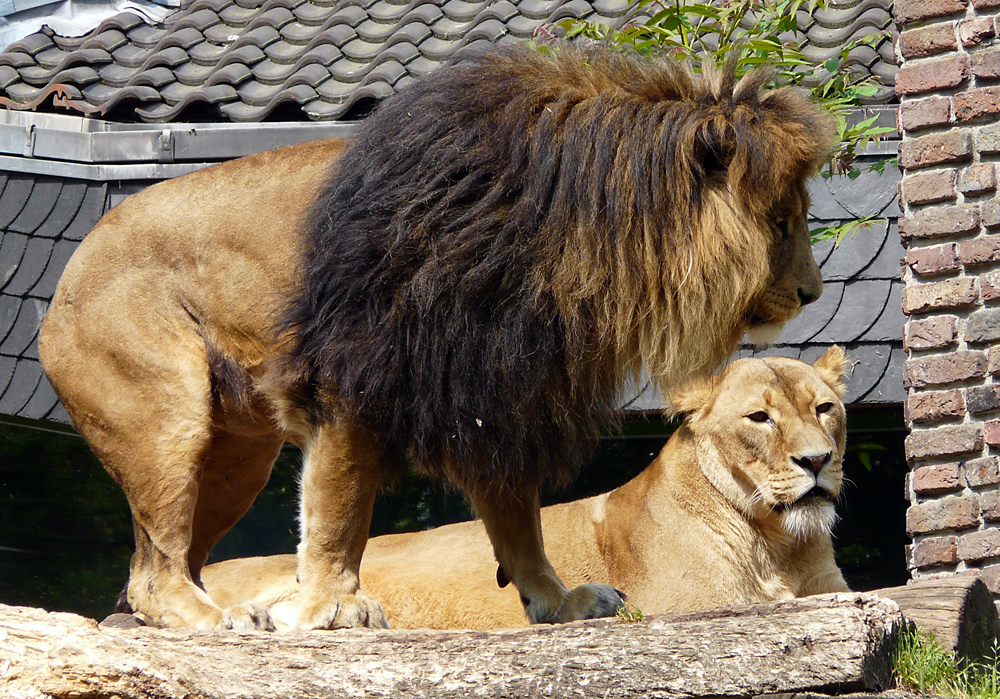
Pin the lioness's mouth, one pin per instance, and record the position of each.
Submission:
(815, 493)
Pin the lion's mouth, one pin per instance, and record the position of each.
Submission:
(814, 494)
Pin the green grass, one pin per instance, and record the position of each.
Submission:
(629, 613)
(923, 666)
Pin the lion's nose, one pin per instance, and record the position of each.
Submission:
(813, 463)
(807, 296)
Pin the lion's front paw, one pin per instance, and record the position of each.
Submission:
(346, 611)
(584, 602)
(248, 616)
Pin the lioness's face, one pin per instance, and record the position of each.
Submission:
(795, 276)
(771, 438)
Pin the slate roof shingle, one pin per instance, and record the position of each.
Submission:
(250, 60)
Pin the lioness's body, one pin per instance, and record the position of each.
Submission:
(669, 538)
(467, 285)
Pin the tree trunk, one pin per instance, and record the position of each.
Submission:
(958, 610)
(830, 642)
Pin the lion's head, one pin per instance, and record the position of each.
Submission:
(770, 436)
(481, 280)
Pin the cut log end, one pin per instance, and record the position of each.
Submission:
(958, 610)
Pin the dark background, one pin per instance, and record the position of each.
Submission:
(66, 535)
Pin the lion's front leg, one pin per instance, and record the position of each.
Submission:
(339, 482)
(513, 523)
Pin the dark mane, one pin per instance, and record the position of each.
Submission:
(480, 277)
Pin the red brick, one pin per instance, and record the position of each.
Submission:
(937, 479)
(977, 179)
(932, 333)
(930, 187)
(936, 259)
(935, 551)
(940, 221)
(904, 11)
(921, 113)
(986, 64)
(991, 213)
(926, 406)
(991, 432)
(993, 365)
(932, 76)
(952, 512)
(986, 4)
(927, 41)
(976, 30)
(980, 251)
(979, 546)
(949, 294)
(982, 471)
(944, 441)
(990, 575)
(989, 286)
(972, 104)
(947, 368)
(935, 149)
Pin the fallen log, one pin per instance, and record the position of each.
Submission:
(830, 643)
(958, 610)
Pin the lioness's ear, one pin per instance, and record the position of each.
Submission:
(691, 397)
(832, 368)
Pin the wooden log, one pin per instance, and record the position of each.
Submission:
(958, 610)
(836, 642)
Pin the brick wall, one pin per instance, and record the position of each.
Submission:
(949, 116)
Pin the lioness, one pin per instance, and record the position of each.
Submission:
(736, 509)
(465, 286)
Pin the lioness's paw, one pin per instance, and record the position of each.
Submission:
(584, 602)
(248, 616)
(348, 611)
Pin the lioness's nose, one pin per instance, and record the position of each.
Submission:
(813, 463)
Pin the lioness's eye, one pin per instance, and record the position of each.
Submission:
(759, 416)
(824, 408)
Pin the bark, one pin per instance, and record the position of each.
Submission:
(958, 610)
(826, 643)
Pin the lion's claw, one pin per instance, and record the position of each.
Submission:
(348, 611)
(584, 602)
(248, 616)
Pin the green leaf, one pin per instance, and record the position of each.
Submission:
(832, 64)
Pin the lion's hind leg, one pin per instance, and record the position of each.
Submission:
(137, 386)
(236, 468)
(513, 524)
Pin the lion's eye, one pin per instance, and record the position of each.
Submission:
(759, 416)
(824, 408)
(782, 224)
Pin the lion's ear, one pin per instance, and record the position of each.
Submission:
(690, 398)
(833, 367)
(714, 147)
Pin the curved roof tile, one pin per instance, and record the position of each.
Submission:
(243, 58)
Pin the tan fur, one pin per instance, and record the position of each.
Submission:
(697, 529)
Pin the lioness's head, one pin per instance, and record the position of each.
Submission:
(795, 276)
(770, 437)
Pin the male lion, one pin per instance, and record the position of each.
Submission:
(465, 286)
(736, 509)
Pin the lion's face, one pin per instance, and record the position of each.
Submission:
(770, 436)
(795, 276)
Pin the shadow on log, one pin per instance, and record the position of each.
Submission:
(958, 610)
(829, 643)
